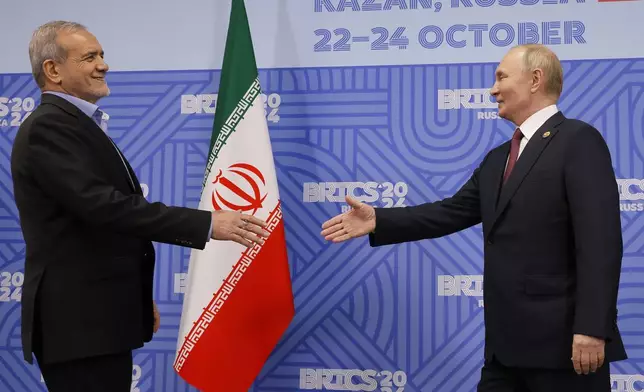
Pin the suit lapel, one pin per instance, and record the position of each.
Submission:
(132, 180)
(93, 129)
(130, 177)
(136, 184)
(538, 142)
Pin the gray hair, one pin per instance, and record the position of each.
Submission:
(43, 46)
(540, 56)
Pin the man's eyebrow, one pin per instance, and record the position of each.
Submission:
(93, 53)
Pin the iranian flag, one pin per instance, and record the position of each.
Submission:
(238, 301)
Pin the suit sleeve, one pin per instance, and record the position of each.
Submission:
(430, 220)
(593, 199)
(62, 165)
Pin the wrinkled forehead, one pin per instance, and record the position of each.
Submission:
(79, 43)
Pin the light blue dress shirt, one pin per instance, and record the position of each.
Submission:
(100, 118)
(86, 107)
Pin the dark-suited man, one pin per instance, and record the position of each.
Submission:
(549, 204)
(87, 297)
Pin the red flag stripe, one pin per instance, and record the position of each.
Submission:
(238, 339)
(245, 301)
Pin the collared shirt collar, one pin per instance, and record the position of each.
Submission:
(534, 122)
(86, 107)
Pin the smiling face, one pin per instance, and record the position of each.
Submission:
(514, 88)
(82, 74)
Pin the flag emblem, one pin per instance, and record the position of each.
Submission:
(241, 188)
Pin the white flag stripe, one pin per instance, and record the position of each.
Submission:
(208, 268)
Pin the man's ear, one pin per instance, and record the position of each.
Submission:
(51, 71)
(538, 80)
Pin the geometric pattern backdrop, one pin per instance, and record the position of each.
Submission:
(412, 313)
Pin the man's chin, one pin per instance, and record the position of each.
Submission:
(101, 93)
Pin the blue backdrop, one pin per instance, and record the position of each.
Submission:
(382, 99)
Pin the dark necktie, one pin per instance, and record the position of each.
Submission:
(514, 153)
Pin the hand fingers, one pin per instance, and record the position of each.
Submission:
(336, 234)
(332, 229)
(241, 240)
(576, 360)
(593, 357)
(600, 360)
(353, 202)
(254, 220)
(157, 321)
(257, 230)
(585, 362)
(250, 236)
(342, 238)
(332, 222)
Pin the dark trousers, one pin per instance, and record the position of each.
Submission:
(495, 377)
(107, 373)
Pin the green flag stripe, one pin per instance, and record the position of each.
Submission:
(238, 72)
(229, 127)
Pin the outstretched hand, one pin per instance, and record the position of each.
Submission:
(359, 221)
(241, 228)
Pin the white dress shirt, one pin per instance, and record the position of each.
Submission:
(533, 123)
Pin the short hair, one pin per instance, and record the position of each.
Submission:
(43, 46)
(540, 56)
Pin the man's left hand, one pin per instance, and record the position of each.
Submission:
(157, 318)
(587, 353)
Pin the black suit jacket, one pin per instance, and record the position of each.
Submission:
(553, 243)
(88, 229)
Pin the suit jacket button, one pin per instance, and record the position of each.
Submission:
(490, 242)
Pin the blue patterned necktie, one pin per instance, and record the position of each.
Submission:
(101, 119)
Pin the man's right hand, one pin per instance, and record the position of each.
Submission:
(241, 228)
(359, 221)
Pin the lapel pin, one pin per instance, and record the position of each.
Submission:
(546, 134)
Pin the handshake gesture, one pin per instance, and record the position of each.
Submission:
(248, 230)
(359, 221)
(241, 228)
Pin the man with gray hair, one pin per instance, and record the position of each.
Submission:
(549, 205)
(87, 298)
